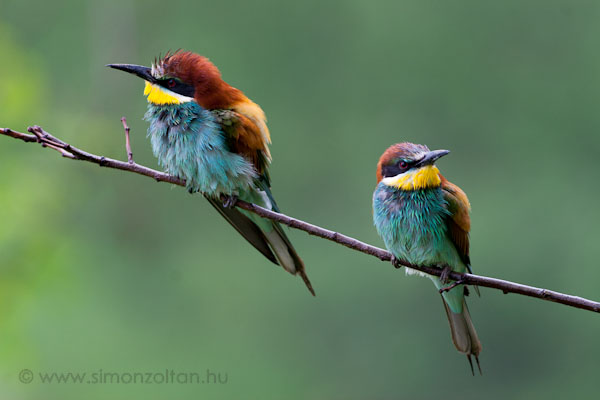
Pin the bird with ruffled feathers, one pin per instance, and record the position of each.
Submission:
(212, 135)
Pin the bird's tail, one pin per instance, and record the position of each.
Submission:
(267, 237)
(284, 251)
(286, 254)
(463, 332)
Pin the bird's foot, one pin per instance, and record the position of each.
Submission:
(445, 274)
(229, 200)
(396, 262)
(452, 286)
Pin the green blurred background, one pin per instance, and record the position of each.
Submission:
(101, 269)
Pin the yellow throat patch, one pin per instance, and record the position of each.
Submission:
(160, 96)
(423, 178)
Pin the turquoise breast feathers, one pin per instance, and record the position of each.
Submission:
(190, 144)
(412, 224)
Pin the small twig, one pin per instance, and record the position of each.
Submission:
(61, 151)
(44, 137)
(127, 142)
(452, 286)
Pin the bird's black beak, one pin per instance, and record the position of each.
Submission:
(430, 157)
(139, 70)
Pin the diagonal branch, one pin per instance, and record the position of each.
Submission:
(68, 151)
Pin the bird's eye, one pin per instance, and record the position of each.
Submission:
(403, 164)
(171, 83)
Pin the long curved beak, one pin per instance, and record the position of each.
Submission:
(139, 70)
(431, 157)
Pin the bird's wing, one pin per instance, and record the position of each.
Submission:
(245, 137)
(459, 221)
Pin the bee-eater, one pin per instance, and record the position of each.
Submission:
(209, 133)
(424, 219)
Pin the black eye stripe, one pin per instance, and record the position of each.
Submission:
(177, 86)
(396, 169)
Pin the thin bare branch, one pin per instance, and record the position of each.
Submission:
(127, 141)
(47, 140)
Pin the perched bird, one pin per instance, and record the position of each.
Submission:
(424, 219)
(209, 133)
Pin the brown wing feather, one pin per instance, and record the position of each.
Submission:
(244, 137)
(459, 223)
